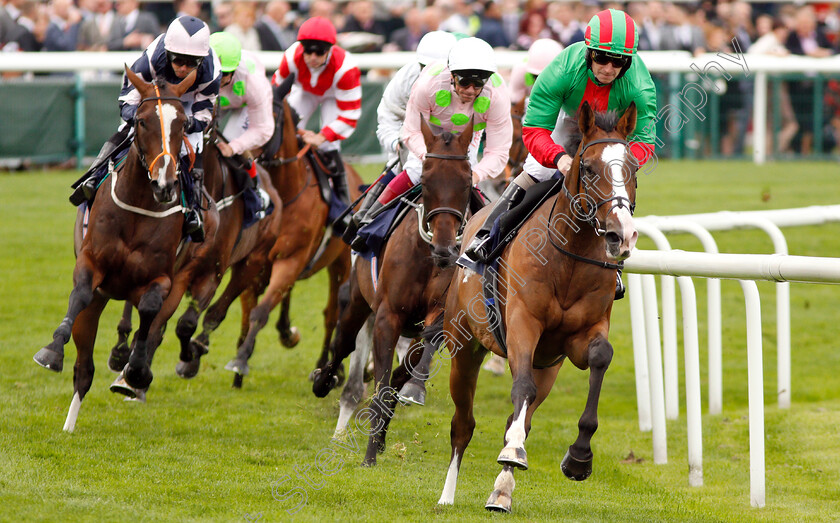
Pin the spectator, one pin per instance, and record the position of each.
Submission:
(133, 30)
(273, 28)
(492, 29)
(187, 8)
(63, 30)
(31, 27)
(771, 42)
(532, 28)
(95, 28)
(432, 18)
(680, 34)
(360, 19)
(461, 19)
(562, 19)
(223, 15)
(9, 14)
(510, 19)
(407, 38)
(650, 29)
(244, 18)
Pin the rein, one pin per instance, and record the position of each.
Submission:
(158, 98)
(591, 219)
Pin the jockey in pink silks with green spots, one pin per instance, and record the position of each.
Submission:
(447, 95)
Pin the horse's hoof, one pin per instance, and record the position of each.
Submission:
(237, 381)
(140, 377)
(323, 383)
(369, 462)
(413, 393)
(120, 386)
(119, 357)
(238, 366)
(314, 374)
(291, 338)
(49, 359)
(498, 502)
(139, 398)
(574, 468)
(187, 369)
(496, 365)
(515, 457)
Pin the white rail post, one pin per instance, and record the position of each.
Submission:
(640, 361)
(669, 327)
(755, 378)
(693, 408)
(760, 118)
(654, 355)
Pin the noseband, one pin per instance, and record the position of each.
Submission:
(575, 199)
(158, 98)
(423, 218)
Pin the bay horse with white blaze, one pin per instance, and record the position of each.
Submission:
(555, 301)
(130, 248)
(417, 263)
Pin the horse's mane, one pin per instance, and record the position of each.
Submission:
(606, 120)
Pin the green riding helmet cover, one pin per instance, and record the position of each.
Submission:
(613, 31)
(228, 48)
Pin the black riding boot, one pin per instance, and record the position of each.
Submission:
(619, 286)
(359, 244)
(87, 184)
(477, 249)
(193, 223)
(339, 183)
(361, 217)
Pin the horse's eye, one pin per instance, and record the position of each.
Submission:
(141, 123)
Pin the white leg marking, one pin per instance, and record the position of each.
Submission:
(73, 413)
(447, 497)
(505, 482)
(515, 435)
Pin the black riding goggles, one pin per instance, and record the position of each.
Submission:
(466, 81)
(184, 60)
(603, 58)
(315, 47)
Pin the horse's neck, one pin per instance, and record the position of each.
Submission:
(291, 178)
(565, 229)
(133, 185)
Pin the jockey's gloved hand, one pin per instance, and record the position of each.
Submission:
(193, 125)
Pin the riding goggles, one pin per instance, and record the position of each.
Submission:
(184, 60)
(315, 47)
(603, 58)
(466, 81)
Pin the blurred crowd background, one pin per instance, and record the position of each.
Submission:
(800, 107)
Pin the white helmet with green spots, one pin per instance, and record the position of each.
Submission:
(473, 54)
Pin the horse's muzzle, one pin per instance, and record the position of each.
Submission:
(444, 257)
(621, 235)
(165, 193)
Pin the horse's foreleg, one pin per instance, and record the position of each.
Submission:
(386, 331)
(410, 378)
(352, 318)
(138, 374)
(354, 387)
(463, 376)
(202, 291)
(289, 336)
(120, 352)
(84, 336)
(577, 463)
(283, 274)
(167, 309)
(84, 283)
(337, 271)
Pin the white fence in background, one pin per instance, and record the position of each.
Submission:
(689, 101)
(655, 397)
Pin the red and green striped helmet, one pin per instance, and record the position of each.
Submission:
(613, 31)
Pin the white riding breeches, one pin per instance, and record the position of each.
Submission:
(306, 103)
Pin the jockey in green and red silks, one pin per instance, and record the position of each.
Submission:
(603, 70)
(611, 41)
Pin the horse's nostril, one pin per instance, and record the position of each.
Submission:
(613, 237)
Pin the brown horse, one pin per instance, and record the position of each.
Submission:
(305, 245)
(130, 248)
(200, 273)
(555, 301)
(494, 187)
(416, 266)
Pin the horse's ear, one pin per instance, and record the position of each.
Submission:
(465, 137)
(428, 135)
(627, 123)
(137, 81)
(185, 84)
(586, 119)
(285, 86)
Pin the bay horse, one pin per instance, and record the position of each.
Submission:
(555, 301)
(417, 264)
(199, 270)
(304, 246)
(133, 234)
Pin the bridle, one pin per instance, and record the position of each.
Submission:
(424, 218)
(165, 152)
(590, 214)
(577, 200)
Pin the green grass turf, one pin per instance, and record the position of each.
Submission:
(201, 451)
